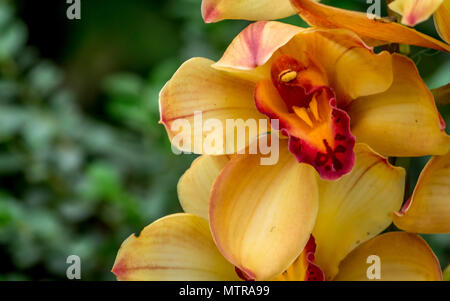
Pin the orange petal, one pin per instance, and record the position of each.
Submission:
(356, 207)
(218, 96)
(255, 208)
(442, 20)
(177, 247)
(428, 210)
(403, 257)
(415, 11)
(195, 184)
(216, 10)
(320, 15)
(404, 120)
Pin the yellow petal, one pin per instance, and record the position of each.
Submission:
(218, 96)
(403, 121)
(415, 11)
(428, 210)
(177, 247)
(320, 15)
(216, 10)
(195, 184)
(442, 20)
(261, 217)
(403, 257)
(361, 72)
(356, 207)
(253, 48)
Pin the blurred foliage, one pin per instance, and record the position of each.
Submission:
(73, 182)
(83, 161)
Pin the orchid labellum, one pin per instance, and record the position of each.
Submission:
(240, 229)
(324, 86)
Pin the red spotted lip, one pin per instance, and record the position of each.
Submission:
(334, 163)
(332, 156)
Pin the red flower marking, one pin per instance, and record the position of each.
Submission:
(318, 131)
(313, 272)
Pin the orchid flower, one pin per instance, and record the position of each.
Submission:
(261, 230)
(417, 11)
(324, 86)
(374, 31)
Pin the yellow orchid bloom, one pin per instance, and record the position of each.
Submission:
(417, 11)
(373, 31)
(322, 85)
(264, 232)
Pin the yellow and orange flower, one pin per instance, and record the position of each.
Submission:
(260, 226)
(325, 86)
(373, 31)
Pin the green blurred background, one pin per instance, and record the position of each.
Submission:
(83, 160)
